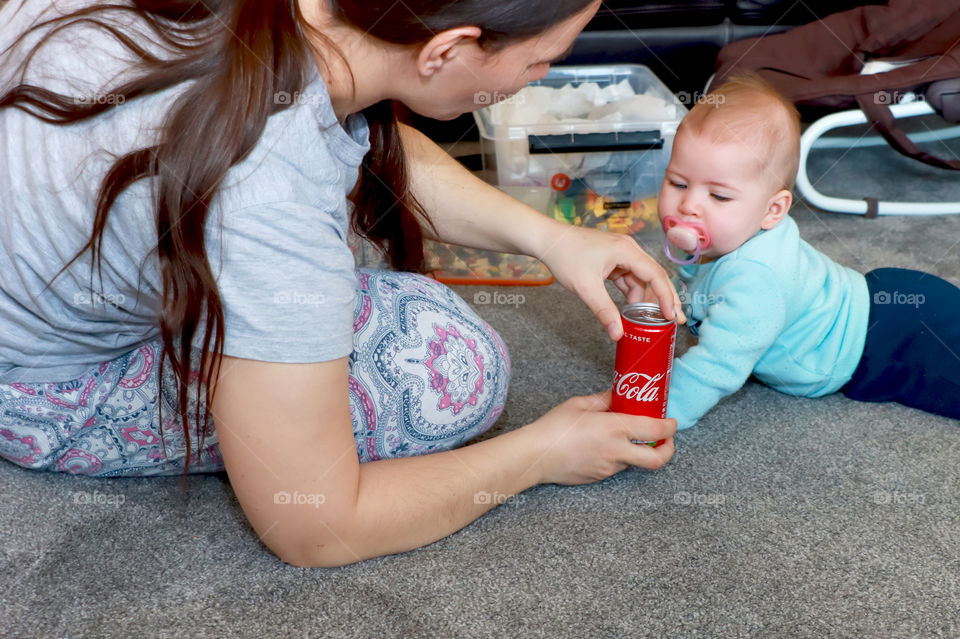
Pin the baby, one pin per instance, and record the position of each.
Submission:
(763, 302)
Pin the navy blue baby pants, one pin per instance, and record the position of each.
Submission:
(912, 351)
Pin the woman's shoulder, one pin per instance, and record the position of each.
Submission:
(306, 125)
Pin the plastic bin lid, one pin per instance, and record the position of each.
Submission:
(641, 78)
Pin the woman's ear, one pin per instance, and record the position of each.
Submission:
(777, 209)
(442, 48)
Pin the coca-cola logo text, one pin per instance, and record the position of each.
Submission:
(629, 386)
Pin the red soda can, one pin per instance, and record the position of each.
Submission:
(644, 362)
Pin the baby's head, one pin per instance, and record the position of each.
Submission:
(733, 164)
(746, 110)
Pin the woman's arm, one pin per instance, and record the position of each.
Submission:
(285, 431)
(467, 211)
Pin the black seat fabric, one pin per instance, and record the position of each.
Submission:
(629, 14)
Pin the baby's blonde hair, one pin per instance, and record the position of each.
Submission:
(747, 108)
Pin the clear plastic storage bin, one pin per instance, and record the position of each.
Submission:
(622, 161)
(602, 174)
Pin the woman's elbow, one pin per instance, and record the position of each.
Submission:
(313, 554)
(314, 546)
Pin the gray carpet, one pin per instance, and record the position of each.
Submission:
(778, 517)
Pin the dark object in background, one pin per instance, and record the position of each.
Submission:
(679, 41)
(624, 14)
(819, 64)
(945, 98)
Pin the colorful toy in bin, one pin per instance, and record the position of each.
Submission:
(575, 203)
(459, 265)
(582, 206)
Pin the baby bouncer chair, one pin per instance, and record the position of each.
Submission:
(891, 62)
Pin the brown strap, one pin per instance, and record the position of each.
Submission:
(877, 109)
(873, 208)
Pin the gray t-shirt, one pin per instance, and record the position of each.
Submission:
(276, 236)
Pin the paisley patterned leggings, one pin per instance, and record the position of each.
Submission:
(426, 374)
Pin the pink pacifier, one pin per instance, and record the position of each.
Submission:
(691, 237)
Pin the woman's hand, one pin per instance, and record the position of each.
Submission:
(581, 259)
(582, 442)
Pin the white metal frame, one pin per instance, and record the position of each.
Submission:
(811, 139)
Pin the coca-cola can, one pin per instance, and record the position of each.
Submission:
(644, 361)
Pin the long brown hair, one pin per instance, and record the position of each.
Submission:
(240, 54)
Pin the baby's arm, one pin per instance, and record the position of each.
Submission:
(746, 316)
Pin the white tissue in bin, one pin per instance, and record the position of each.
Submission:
(587, 102)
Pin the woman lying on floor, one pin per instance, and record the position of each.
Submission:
(177, 293)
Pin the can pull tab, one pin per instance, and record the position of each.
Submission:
(690, 237)
(652, 444)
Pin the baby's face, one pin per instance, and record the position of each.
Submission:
(721, 185)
